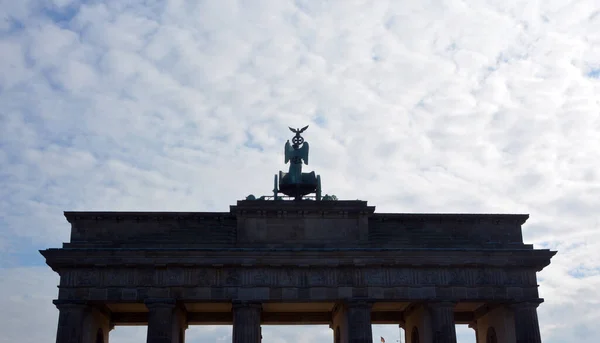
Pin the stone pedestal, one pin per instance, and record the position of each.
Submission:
(527, 327)
(246, 322)
(352, 322)
(166, 323)
(71, 321)
(442, 322)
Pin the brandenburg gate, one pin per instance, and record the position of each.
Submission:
(292, 258)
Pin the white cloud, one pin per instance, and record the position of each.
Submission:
(415, 106)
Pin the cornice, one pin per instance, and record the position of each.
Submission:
(493, 218)
(281, 208)
(73, 216)
(412, 258)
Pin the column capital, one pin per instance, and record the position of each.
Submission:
(402, 321)
(245, 304)
(441, 304)
(357, 302)
(160, 303)
(531, 304)
(66, 304)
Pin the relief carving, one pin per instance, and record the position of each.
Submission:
(483, 277)
(286, 277)
(259, 277)
(118, 277)
(232, 277)
(345, 277)
(173, 276)
(374, 277)
(291, 277)
(401, 277)
(144, 277)
(428, 276)
(317, 277)
(457, 277)
(204, 277)
(87, 277)
(514, 278)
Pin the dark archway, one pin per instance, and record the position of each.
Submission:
(181, 336)
(491, 336)
(337, 338)
(100, 336)
(414, 335)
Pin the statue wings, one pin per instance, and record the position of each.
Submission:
(290, 152)
(298, 130)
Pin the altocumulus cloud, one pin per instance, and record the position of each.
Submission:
(428, 106)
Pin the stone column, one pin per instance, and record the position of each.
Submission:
(473, 326)
(162, 320)
(359, 322)
(71, 321)
(442, 322)
(246, 322)
(527, 327)
(352, 322)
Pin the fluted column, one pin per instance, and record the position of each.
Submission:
(246, 322)
(359, 322)
(442, 322)
(527, 327)
(71, 320)
(161, 317)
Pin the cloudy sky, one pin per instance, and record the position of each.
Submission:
(415, 106)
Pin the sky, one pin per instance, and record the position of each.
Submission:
(415, 106)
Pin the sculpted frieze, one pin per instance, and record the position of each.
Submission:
(401, 276)
(89, 277)
(231, 277)
(457, 277)
(259, 277)
(119, 277)
(345, 276)
(144, 277)
(293, 277)
(375, 277)
(286, 277)
(319, 277)
(430, 276)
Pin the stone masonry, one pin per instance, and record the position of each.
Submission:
(298, 262)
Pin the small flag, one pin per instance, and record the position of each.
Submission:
(382, 340)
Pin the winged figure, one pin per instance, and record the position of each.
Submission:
(296, 155)
(298, 131)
